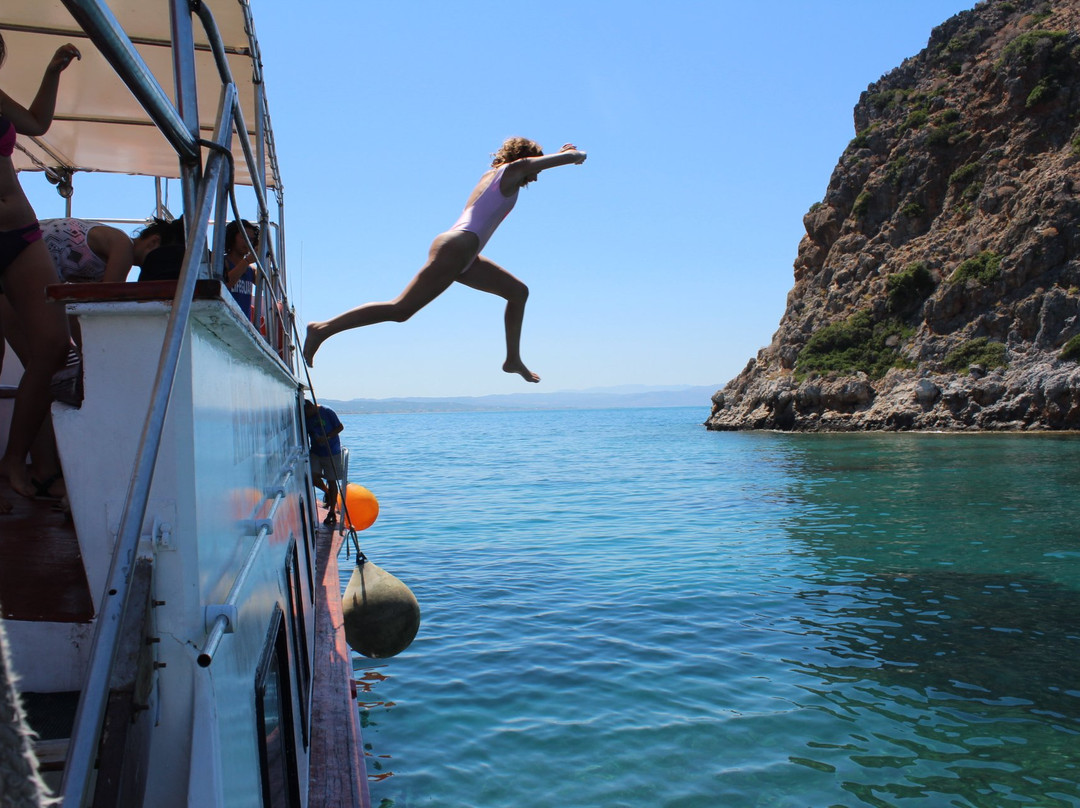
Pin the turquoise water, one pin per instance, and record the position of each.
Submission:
(623, 609)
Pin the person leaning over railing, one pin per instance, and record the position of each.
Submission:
(159, 250)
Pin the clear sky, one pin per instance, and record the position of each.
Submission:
(711, 127)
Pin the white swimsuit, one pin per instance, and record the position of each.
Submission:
(487, 211)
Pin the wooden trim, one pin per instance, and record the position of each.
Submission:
(338, 776)
(122, 292)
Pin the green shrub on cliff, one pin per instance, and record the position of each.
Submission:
(909, 288)
(984, 267)
(978, 351)
(916, 119)
(1044, 91)
(965, 174)
(1023, 47)
(853, 345)
(862, 203)
(1071, 350)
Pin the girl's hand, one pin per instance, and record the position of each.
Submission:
(62, 58)
(571, 147)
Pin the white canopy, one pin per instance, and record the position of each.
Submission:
(99, 125)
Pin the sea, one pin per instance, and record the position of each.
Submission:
(622, 608)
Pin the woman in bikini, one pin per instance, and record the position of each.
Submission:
(455, 254)
(25, 270)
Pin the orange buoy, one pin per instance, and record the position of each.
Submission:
(360, 508)
(381, 613)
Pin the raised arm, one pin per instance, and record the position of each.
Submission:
(526, 169)
(37, 118)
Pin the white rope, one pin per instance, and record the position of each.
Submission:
(20, 784)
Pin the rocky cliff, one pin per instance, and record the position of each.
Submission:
(938, 284)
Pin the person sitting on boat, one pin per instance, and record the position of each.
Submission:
(323, 428)
(25, 270)
(239, 260)
(455, 254)
(158, 249)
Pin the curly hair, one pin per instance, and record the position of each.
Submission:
(514, 148)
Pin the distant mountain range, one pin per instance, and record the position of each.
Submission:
(627, 396)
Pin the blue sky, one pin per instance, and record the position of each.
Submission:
(665, 259)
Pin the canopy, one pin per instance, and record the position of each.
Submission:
(99, 125)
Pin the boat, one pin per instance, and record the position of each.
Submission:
(176, 628)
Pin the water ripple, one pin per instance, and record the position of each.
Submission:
(623, 609)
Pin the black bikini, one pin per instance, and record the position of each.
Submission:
(13, 242)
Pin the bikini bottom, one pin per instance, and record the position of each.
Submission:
(12, 243)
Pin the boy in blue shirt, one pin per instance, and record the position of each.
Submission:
(323, 428)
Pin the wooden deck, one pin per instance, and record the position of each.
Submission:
(41, 569)
(338, 777)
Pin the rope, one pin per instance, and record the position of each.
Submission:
(21, 785)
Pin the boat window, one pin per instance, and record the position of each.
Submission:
(298, 630)
(309, 549)
(273, 706)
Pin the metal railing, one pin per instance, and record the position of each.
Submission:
(224, 615)
(205, 191)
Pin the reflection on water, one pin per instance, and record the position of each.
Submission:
(957, 683)
(947, 626)
(621, 609)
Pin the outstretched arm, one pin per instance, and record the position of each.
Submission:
(37, 118)
(521, 170)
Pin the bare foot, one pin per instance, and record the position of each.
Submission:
(17, 475)
(520, 369)
(312, 341)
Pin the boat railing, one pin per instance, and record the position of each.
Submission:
(90, 714)
(270, 298)
(179, 125)
(224, 615)
(205, 194)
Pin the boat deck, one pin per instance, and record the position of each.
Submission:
(41, 569)
(335, 731)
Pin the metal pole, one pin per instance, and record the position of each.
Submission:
(187, 102)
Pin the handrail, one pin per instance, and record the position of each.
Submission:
(237, 113)
(222, 621)
(256, 164)
(110, 38)
(92, 701)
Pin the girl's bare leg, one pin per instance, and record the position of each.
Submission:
(44, 458)
(449, 254)
(489, 277)
(46, 336)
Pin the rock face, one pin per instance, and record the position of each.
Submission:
(938, 284)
